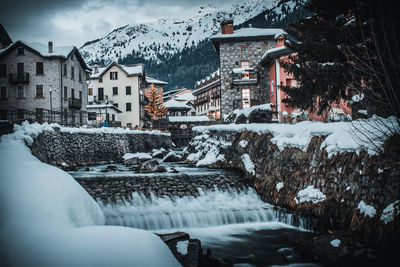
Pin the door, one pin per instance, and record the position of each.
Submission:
(246, 98)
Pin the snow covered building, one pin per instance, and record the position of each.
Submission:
(43, 83)
(181, 104)
(120, 84)
(243, 78)
(208, 96)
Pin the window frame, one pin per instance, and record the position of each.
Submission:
(128, 104)
(39, 69)
(39, 88)
(244, 46)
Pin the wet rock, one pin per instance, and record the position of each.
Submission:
(111, 167)
(151, 165)
(173, 170)
(171, 157)
(131, 161)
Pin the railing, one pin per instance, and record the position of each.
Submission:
(16, 78)
(215, 95)
(246, 77)
(202, 100)
(75, 103)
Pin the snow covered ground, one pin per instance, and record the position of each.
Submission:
(48, 219)
(363, 134)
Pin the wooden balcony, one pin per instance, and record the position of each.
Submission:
(18, 78)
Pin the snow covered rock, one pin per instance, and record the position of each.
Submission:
(151, 165)
(171, 157)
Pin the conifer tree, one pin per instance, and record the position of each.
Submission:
(155, 108)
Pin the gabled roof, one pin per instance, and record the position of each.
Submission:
(62, 52)
(246, 34)
(276, 52)
(151, 80)
(4, 37)
(130, 70)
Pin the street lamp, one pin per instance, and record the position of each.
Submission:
(51, 104)
(106, 109)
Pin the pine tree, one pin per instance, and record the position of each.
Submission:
(155, 108)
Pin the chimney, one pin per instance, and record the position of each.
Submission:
(227, 27)
(50, 47)
(96, 69)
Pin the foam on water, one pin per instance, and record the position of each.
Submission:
(209, 209)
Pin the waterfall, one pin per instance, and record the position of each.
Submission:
(210, 208)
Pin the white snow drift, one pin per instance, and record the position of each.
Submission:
(48, 219)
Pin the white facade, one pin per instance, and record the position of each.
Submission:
(121, 85)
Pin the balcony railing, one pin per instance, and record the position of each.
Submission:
(202, 100)
(16, 78)
(75, 103)
(244, 76)
(215, 95)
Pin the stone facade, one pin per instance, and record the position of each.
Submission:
(346, 179)
(21, 99)
(244, 81)
(68, 150)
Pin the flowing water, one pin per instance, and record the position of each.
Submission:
(236, 225)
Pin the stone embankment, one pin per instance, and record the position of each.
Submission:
(172, 186)
(355, 192)
(70, 149)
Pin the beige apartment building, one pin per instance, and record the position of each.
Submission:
(120, 85)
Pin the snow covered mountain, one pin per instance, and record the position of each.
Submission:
(171, 39)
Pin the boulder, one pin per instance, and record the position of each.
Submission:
(159, 153)
(131, 161)
(241, 119)
(171, 157)
(260, 116)
(151, 165)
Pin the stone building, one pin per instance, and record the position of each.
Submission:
(43, 83)
(243, 80)
(120, 84)
(208, 96)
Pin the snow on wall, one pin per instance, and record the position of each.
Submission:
(341, 136)
(48, 219)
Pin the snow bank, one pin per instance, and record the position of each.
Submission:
(139, 155)
(341, 137)
(390, 212)
(248, 164)
(310, 194)
(48, 219)
(367, 210)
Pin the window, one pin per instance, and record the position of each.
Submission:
(72, 93)
(80, 76)
(91, 116)
(20, 91)
(113, 75)
(3, 92)
(72, 73)
(128, 107)
(3, 70)
(100, 93)
(128, 90)
(72, 57)
(244, 49)
(39, 114)
(3, 114)
(113, 117)
(65, 70)
(39, 68)
(244, 64)
(90, 91)
(39, 91)
(115, 90)
(20, 51)
(272, 87)
(66, 115)
(65, 92)
(246, 98)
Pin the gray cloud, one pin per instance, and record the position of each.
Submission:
(77, 21)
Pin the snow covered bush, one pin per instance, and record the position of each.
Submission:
(255, 114)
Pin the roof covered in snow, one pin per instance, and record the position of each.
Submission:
(173, 104)
(189, 119)
(276, 52)
(151, 80)
(248, 33)
(130, 70)
(43, 51)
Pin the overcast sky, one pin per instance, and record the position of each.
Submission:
(74, 22)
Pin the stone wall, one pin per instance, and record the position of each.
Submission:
(174, 185)
(345, 179)
(68, 150)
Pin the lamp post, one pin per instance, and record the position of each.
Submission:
(106, 109)
(51, 103)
